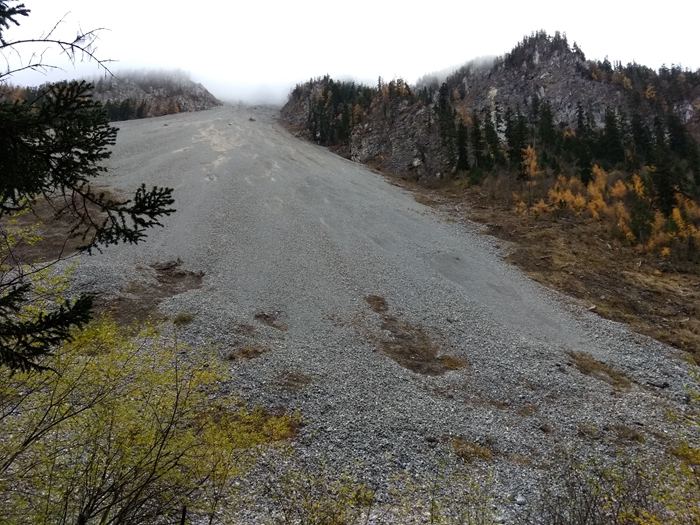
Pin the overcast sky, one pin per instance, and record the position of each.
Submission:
(259, 48)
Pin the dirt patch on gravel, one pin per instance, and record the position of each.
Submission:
(270, 320)
(411, 347)
(485, 401)
(291, 381)
(139, 302)
(244, 330)
(247, 352)
(408, 345)
(54, 229)
(377, 303)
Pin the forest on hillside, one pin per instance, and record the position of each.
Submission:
(131, 94)
(635, 167)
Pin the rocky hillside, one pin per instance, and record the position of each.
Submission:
(387, 127)
(140, 95)
(541, 69)
(414, 129)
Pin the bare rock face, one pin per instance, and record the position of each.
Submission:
(407, 140)
(543, 69)
(154, 95)
(296, 111)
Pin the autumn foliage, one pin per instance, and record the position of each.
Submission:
(622, 204)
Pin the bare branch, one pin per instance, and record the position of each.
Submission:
(72, 50)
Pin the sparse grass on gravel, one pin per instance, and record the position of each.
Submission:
(470, 451)
(247, 352)
(183, 319)
(588, 365)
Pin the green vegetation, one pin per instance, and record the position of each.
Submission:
(124, 430)
(165, 85)
(588, 365)
(469, 451)
(100, 427)
(334, 107)
(183, 319)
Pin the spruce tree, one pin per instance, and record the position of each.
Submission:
(51, 149)
(477, 139)
(462, 151)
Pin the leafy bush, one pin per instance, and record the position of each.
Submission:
(123, 430)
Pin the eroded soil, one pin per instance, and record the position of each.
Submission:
(139, 302)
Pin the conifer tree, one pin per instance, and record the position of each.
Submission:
(462, 141)
(641, 139)
(492, 140)
(611, 139)
(446, 120)
(547, 131)
(52, 151)
(477, 139)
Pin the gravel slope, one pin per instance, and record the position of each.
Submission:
(284, 227)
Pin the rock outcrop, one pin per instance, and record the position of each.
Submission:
(407, 140)
(151, 95)
(398, 129)
(546, 70)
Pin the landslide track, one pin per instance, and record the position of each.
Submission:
(394, 329)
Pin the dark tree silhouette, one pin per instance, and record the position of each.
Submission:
(50, 149)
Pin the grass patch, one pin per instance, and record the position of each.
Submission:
(425, 200)
(519, 459)
(588, 365)
(276, 425)
(588, 431)
(377, 303)
(183, 319)
(470, 451)
(452, 363)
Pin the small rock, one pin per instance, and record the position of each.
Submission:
(519, 500)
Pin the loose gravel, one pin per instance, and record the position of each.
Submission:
(293, 239)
